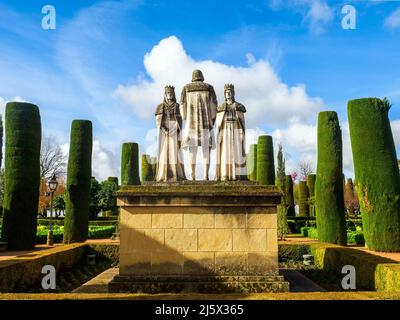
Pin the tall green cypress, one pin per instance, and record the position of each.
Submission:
(304, 209)
(78, 182)
(311, 197)
(130, 164)
(289, 195)
(376, 173)
(252, 163)
(265, 161)
(329, 203)
(1, 140)
(22, 175)
(147, 168)
(282, 208)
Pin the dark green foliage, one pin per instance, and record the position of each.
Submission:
(282, 208)
(251, 163)
(289, 197)
(78, 182)
(376, 172)
(147, 168)
(94, 204)
(22, 180)
(311, 190)
(1, 140)
(329, 203)
(265, 161)
(130, 164)
(107, 197)
(59, 203)
(304, 209)
(114, 180)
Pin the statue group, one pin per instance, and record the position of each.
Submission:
(200, 111)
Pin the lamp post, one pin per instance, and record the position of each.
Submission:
(52, 184)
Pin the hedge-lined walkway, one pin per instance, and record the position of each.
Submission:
(395, 256)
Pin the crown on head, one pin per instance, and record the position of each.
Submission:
(170, 88)
(229, 86)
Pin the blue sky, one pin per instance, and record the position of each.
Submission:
(93, 66)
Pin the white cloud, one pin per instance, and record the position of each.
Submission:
(269, 101)
(104, 162)
(319, 14)
(393, 20)
(3, 103)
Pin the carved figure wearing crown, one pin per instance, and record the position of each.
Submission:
(169, 125)
(231, 135)
(198, 109)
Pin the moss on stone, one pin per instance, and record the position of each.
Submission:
(377, 177)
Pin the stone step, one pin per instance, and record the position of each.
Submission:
(199, 287)
(193, 278)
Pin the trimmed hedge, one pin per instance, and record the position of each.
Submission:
(130, 164)
(353, 237)
(95, 232)
(147, 168)
(376, 172)
(265, 161)
(304, 209)
(329, 201)
(289, 196)
(78, 182)
(311, 193)
(22, 175)
(251, 163)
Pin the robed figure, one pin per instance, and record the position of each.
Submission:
(198, 109)
(169, 126)
(231, 133)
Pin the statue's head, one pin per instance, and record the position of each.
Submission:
(197, 75)
(229, 92)
(169, 95)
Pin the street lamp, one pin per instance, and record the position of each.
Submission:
(52, 184)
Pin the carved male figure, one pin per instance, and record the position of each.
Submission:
(169, 125)
(231, 133)
(198, 109)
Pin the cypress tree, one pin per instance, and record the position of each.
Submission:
(252, 163)
(289, 195)
(376, 172)
(147, 168)
(265, 161)
(130, 164)
(311, 197)
(79, 175)
(303, 199)
(283, 207)
(329, 203)
(22, 175)
(1, 140)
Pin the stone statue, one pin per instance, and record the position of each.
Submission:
(198, 109)
(231, 153)
(169, 125)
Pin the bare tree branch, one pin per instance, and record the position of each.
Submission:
(52, 159)
(306, 167)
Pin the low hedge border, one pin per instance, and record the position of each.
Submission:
(60, 222)
(372, 272)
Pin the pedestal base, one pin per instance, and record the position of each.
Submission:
(198, 237)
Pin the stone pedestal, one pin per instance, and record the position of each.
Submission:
(198, 237)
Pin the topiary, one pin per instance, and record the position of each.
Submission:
(329, 203)
(130, 164)
(22, 175)
(265, 161)
(289, 195)
(147, 168)
(251, 163)
(311, 190)
(376, 172)
(78, 182)
(303, 199)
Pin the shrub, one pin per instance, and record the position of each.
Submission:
(376, 172)
(304, 209)
(251, 163)
(130, 164)
(265, 161)
(78, 182)
(22, 175)
(329, 203)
